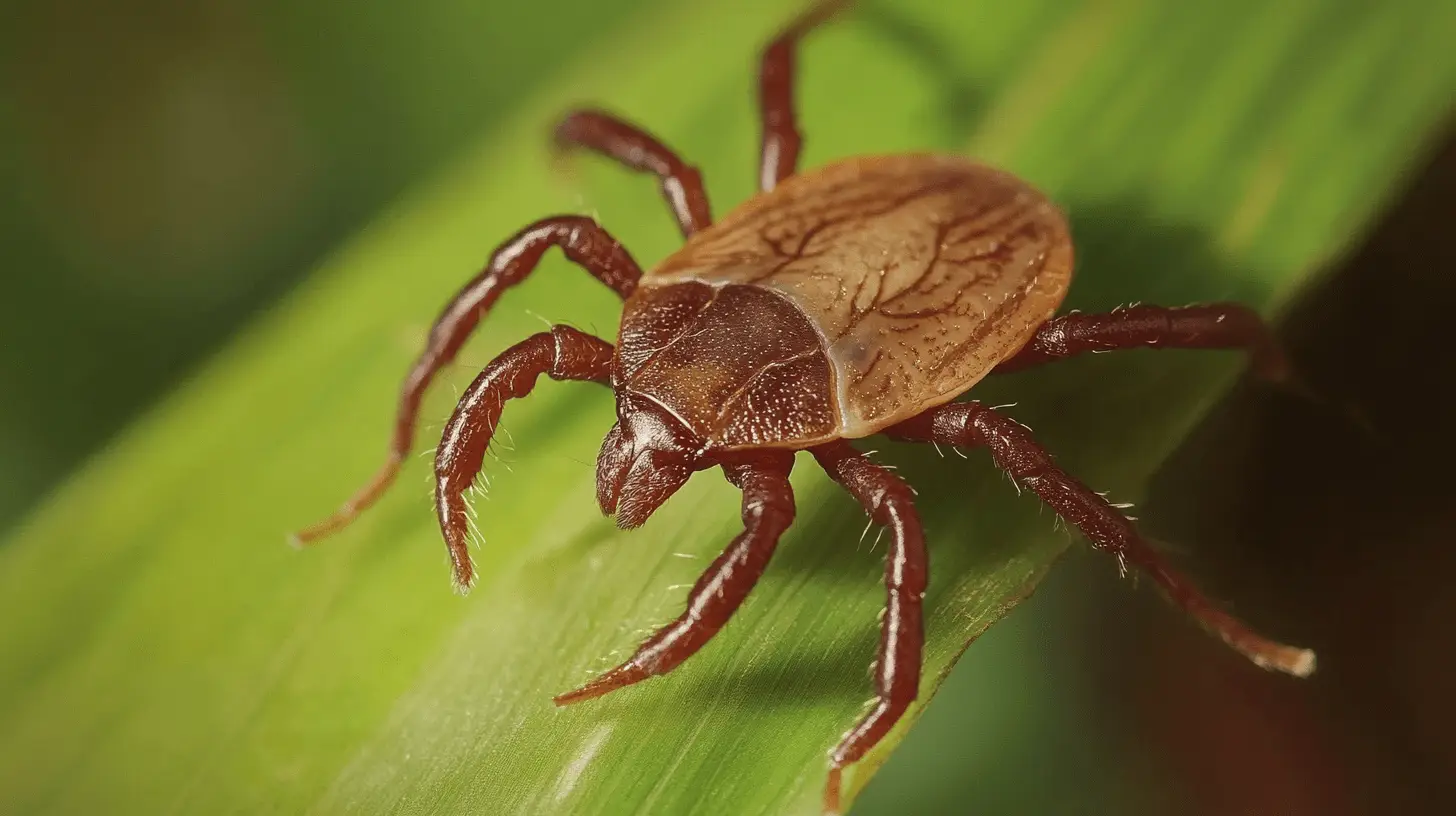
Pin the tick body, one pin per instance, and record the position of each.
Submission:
(845, 300)
(863, 297)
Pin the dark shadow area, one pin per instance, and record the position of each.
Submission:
(1342, 540)
(800, 678)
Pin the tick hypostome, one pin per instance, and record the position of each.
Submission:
(859, 298)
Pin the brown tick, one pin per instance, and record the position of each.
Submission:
(859, 298)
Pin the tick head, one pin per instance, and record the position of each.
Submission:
(645, 458)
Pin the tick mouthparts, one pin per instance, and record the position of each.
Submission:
(612, 465)
(654, 476)
(644, 459)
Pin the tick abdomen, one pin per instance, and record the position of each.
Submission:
(845, 300)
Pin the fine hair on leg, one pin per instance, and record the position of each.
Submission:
(582, 240)
(889, 502)
(1016, 451)
(1210, 326)
(768, 510)
(563, 353)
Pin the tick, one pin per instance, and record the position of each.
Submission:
(859, 298)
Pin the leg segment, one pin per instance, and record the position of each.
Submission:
(781, 138)
(580, 238)
(1214, 326)
(889, 502)
(1015, 451)
(562, 353)
(768, 510)
(682, 184)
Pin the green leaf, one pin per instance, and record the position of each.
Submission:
(165, 652)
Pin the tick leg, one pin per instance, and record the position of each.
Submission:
(1212, 326)
(583, 241)
(562, 353)
(889, 502)
(682, 184)
(781, 138)
(1015, 451)
(768, 510)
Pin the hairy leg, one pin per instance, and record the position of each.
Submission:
(563, 354)
(682, 184)
(1211, 326)
(970, 424)
(768, 510)
(890, 502)
(583, 241)
(779, 156)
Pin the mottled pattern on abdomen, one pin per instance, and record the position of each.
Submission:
(920, 273)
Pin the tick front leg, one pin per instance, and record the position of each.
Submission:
(781, 138)
(562, 353)
(682, 184)
(768, 510)
(889, 502)
(1212, 326)
(1015, 451)
(583, 241)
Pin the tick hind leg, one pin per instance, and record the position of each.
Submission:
(1015, 451)
(682, 184)
(779, 155)
(768, 510)
(583, 241)
(889, 502)
(1211, 326)
(563, 354)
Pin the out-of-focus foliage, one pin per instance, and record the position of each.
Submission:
(167, 167)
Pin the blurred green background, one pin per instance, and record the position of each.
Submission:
(171, 167)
